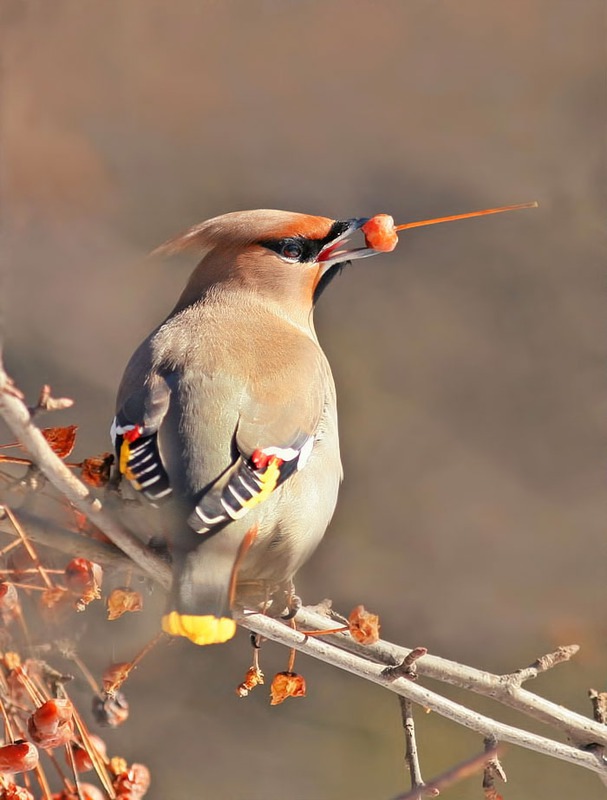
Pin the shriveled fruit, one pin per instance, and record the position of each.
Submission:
(52, 724)
(20, 756)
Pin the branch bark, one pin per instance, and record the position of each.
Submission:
(583, 731)
(375, 663)
(372, 671)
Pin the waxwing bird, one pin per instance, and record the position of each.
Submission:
(226, 415)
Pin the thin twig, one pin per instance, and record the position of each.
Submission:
(458, 773)
(28, 546)
(543, 664)
(419, 789)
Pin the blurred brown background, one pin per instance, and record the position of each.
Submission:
(470, 363)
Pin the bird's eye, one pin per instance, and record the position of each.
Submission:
(291, 250)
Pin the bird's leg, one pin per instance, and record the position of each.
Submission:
(293, 603)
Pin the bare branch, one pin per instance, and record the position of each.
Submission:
(359, 665)
(581, 730)
(338, 649)
(51, 534)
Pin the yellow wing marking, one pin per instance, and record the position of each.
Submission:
(269, 480)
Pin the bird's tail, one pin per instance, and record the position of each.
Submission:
(204, 583)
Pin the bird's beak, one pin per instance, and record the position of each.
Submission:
(336, 253)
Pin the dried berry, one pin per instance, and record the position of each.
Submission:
(96, 471)
(364, 626)
(52, 724)
(110, 710)
(287, 684)
(132, 782)
(20, 756)
(83, 578)
(14, 792)
(122, 600)
(253, 678)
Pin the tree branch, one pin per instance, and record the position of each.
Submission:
(583, 731)
(52, 534)
(325, 651)
(18, 418)
(383, 663)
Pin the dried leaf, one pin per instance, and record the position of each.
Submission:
(61, 440)
(120, 601)
(254, 677)
(96, 471)
(287, 684)
(364, 626)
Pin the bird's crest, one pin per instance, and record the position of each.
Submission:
(243, 228)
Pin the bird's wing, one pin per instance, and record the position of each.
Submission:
(135, 434)
(278, 422)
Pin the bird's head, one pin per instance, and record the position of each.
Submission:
(285, 256)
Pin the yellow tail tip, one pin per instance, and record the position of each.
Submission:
(201, 630)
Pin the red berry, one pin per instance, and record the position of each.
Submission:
(82, 758)
(380, 234)
(21, 756)
(134, 782)
(14, 792)
(52, 724)
(81, 575)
